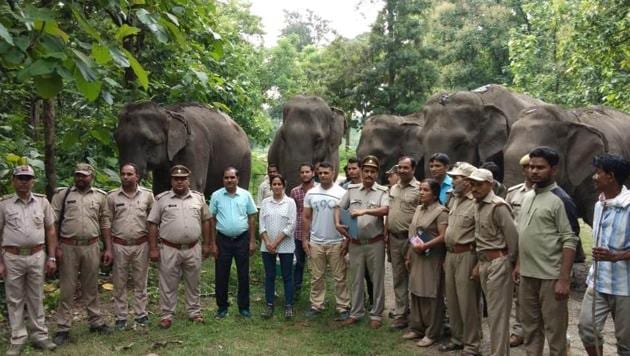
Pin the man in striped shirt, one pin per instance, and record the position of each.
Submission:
(609, 289)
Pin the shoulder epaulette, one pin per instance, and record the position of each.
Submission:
(162, 194)
(113, 191)
(515, 187)
(145, 189)
(99, 191)
(354, 185)
(39, 195)
(6, 196)
(381, 187)
(57, 190)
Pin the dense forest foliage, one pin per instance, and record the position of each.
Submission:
(67, 67)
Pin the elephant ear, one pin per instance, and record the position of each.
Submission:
(493, 132)
(584, 143)
(338, 114)
(178, 133)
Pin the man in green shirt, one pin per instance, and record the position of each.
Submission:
(546, 251)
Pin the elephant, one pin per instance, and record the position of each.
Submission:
(577, 135)
(471, 126)
(311, 132)
(390, 137)
(205, 140)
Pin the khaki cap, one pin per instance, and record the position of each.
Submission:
(370, 161)
(23, 171)
(481, 175)
(84, 168)
(524, 160)
(180, 171)
(463, 169)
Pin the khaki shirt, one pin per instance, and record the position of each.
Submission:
(515, 198)
(494, 225)
(86, 213)
(179, 217)
(359, 197)
(22, 223)
(461, 221)
(402, 205)
(129, 213)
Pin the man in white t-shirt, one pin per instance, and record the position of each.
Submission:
(323, 243)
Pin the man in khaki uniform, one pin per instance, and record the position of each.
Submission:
(496, 242)
(86, 216)
(130, 205)
(515, 197)
(404, 197)
(462, 292)
(181, 216)
(367, 202)
(26, 219)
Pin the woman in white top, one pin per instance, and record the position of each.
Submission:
(277, 222)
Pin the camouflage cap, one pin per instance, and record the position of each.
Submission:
(84, 168)
(481, 175)
(370, 161)
(180, 171)
(463, 169)
(25, 170)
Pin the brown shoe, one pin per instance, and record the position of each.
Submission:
(165, 323)
(197, 319)
(410, 335)
(515, 340)
(375, 324)
(350, 321)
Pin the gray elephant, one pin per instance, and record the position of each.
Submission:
(311, 132)
(205, 140)
(578, 135)
(389, 137)
(472, 126)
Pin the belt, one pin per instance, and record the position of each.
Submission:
(136, 242)
(232, 237)
(76, 242)
(489, 255)
(23, 251)
(461, 248)
(368, 241)
(399, 235)
(179, 246)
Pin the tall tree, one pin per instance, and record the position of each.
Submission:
(310, 28)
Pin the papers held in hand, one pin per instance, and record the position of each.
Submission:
(350, 223)
(419, 239)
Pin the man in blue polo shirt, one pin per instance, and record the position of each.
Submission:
(438, 166)
(233, 215)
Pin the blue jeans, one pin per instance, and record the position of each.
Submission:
(286, 266)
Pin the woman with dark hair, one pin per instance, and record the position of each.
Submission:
(277, 222)
(424, 260)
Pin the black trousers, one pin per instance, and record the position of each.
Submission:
(236, 248)
(300, 261)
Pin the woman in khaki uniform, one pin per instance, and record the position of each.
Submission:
(424, 260)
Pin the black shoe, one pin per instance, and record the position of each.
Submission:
(61, 337)
(268, 313)
(312, 312)
(288, 312)
(102, 329)
(221, 313)
(142, 321)
(120, 324)
(343, 316)
(245, 313)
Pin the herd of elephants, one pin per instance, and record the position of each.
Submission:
(490, 123)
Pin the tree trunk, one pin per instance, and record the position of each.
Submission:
(33, 120)
(49, 147)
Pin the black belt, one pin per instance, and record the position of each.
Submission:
(233, 237)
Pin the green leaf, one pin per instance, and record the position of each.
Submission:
(32, 13)
(217, 51)
(119, 57)
(5, 35)
(84, 24)
(124, 31)
(202, 76)
(52, 28)
(102, 135)
(172, 18)
(148, 20)
(101, 54)
(143, 76)
(90, 90)
(13, 158)
(38, 68)
(70, 139)
(138, 2)
(179, 38)
(85, 65)
(107, 96)
(48, 86)
(13, 57)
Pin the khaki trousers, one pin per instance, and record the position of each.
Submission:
(322, 256)
(517, 328)
(78, 262)
(462, 300)
(136, 260)
(543, 316)
(616, 305)
(24, 284)
(398, 247)
(426, 315)
(175, 264)
(370, 257)
(497, 285)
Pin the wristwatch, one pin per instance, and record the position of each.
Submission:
(51, 258)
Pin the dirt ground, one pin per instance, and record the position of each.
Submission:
(580, 273)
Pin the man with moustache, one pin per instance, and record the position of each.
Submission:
(353, 173)
(86, 216)
(27, 222)
(180, 217)
(404, 197)
(368, 203)
(130, 205)
(462, 293)
(547, 246)
(298, 193)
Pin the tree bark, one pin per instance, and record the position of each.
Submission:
(49, 147)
